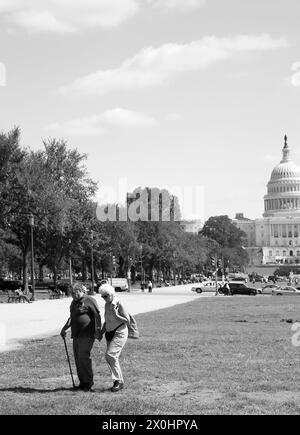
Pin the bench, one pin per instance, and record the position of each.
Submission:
(12, 297)
(15, 297)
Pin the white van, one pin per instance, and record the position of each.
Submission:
(119, 284)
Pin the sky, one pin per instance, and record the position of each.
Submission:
(190, 95)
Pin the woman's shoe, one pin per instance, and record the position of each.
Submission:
(117, 386)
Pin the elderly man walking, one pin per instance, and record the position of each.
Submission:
(85, 324)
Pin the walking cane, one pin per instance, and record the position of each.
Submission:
(69, 362)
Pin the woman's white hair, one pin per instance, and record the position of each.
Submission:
(107, 289)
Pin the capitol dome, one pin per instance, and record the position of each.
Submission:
(283, 197)
(285, 170)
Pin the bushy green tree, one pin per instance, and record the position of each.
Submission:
(223, 231)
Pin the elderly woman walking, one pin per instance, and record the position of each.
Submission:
(116, 333)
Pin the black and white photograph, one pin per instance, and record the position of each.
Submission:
(149, 211)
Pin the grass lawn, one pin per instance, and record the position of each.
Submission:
(212, 356)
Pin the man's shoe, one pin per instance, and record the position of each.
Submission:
(88, 390)
(82, 387)
(117, 386)
(78, 387)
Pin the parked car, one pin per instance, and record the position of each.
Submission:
(206, 286)
(286, 291)
(267, 289)
(240, 288)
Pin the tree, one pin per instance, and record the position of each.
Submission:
(223, 231)
(27, 191)
(70, 212)
(123, 244)
(11, 156)
(235, 257)
(10, 256)
(149, 232)
(53, 185)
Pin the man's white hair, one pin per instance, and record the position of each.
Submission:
(107, 289)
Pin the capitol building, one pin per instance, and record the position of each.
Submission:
(275, 238)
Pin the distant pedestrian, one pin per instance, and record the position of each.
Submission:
(227, 289)
(116, 333)
(85, 324)
(217, 289)
(149, 286)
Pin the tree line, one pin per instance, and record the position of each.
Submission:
(54, 186)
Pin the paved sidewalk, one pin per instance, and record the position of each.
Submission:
(46, 317)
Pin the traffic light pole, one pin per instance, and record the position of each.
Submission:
(92, 270)
(92, 262)
(113, 264)
(216, 262)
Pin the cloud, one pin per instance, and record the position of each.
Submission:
(66, 15)
(295, 78)
(238, 75)
(96, 125)
(154, 66)
(39, 21)
(181, 5)
(174, 117)
(123, 117)
(8, 5)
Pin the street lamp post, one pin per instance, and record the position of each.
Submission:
(92, 261)
(111, 269)
(129, 260)
(142, 270)
(31, 224)
(227, 268)
(174, 267)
